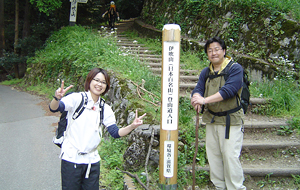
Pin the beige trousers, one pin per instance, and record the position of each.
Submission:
(226, 171)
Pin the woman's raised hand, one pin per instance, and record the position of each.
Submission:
(138, 120)
(60, 92)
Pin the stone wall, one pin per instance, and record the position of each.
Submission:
(139, 139)
(256, 39)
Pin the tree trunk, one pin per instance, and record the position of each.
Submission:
(26, 25)
(16, 67)
(2, 37)
(26, 33)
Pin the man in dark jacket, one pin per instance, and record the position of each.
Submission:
(222, 115)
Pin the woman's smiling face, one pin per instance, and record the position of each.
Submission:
(98, 84)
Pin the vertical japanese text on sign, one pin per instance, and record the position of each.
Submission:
(170, 86)
(169, 159)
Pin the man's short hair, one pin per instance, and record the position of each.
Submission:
(212, 40)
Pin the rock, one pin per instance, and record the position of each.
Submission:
(136, 154)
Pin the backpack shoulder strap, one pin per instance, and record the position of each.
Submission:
(206, 75)
(226, 69)
(101, 106)
(81, 106)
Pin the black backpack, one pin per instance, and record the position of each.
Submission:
(243, 101)
(63, 121)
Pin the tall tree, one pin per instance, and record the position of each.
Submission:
(25, 34)
(26, 25)
(2, 37)
(16, 26)
(16, 67)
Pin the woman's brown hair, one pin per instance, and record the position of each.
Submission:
(91, 76)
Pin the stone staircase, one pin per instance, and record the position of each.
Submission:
(265, 154)
(188, 78)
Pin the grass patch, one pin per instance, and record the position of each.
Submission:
(283, 94)
(12, 82)
(110, 159)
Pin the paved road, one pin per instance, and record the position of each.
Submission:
(28, 158)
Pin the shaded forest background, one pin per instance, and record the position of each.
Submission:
(263, 32)
(25, 26)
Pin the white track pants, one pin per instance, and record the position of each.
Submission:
(223, 154)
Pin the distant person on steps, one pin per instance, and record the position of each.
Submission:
(112, 15)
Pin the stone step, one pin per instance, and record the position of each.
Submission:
(187, 85)
(126, 40)
(182, 71)
(129, 44)
(122, 36)
(263, 123)
(152, 65)
(250, 145)
(151, 59)
(150, 55)
(189, 77)
(258, 124)
(258, 172)
(134, 48)
(139, 51)
(270, 145)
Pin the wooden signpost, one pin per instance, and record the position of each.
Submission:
(169, 111)
(73, 11)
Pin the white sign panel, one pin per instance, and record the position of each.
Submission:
(168, 158)
(170, 86)
(73, 11)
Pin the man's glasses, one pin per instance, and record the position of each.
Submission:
(214, 50)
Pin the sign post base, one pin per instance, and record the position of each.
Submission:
(168, 187)
(72, 23)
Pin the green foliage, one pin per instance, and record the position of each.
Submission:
(284, 130)
(296, 179)
(268, 181)
(187, 137)
(153, 44)
(295, 123)
(46, 6)
(110, 159)
(193, 60)
(70, 53)
(12, 82)
(10, 59)
(234, 20)
(283, 94)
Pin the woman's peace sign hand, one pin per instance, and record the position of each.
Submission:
(138, 120)
(60, 92)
